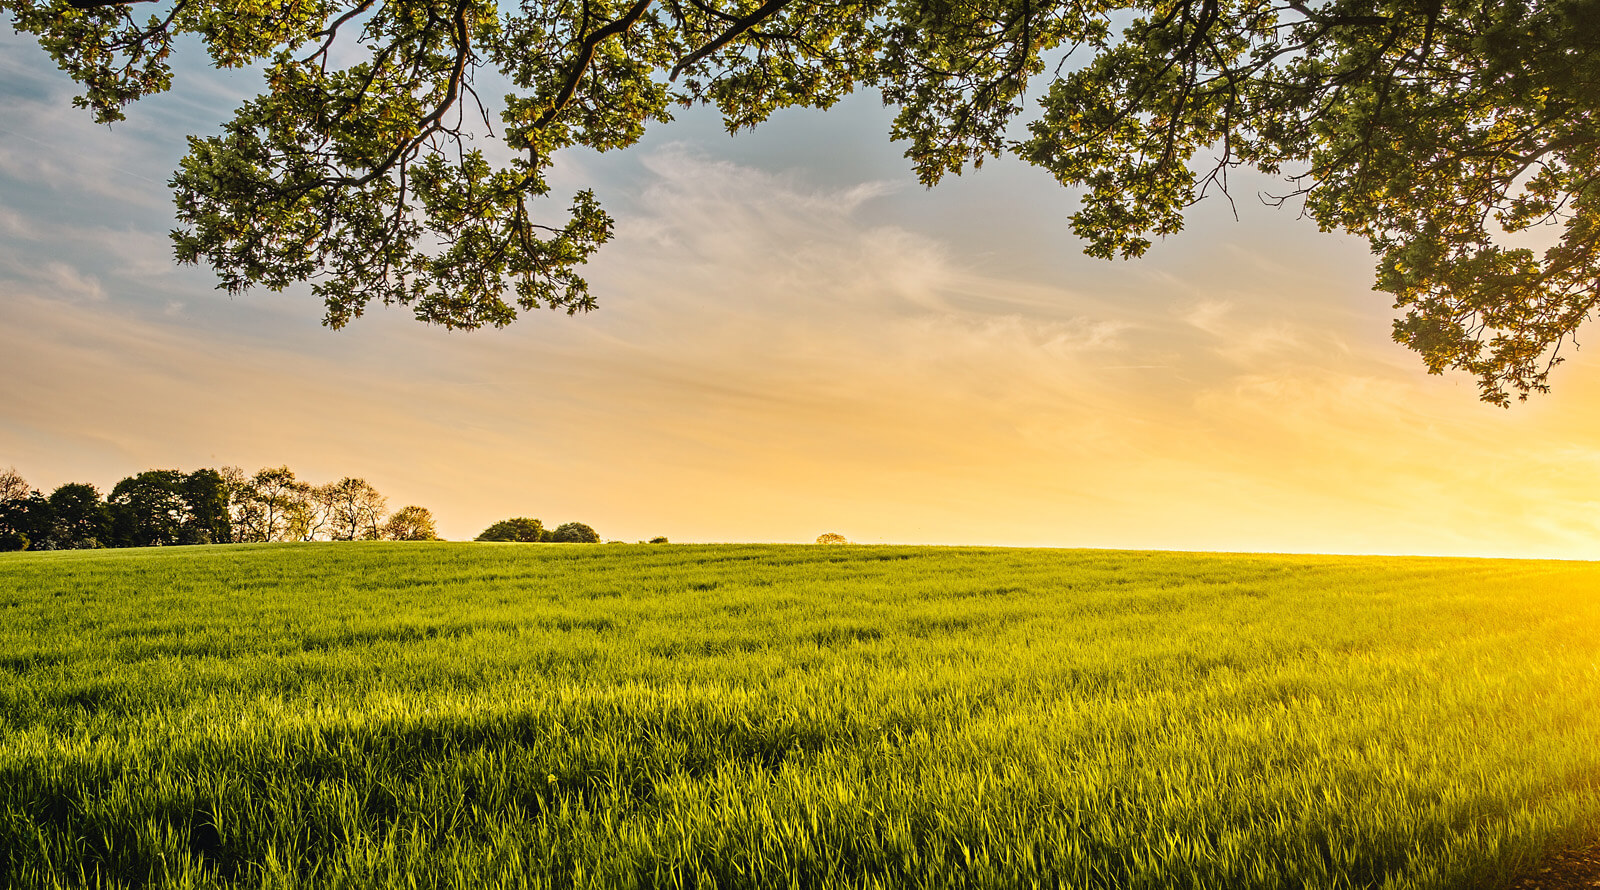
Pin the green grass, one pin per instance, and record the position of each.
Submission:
(472, 715)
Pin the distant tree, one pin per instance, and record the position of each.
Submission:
(237, 484)
(205, 495)
(12, 486)
(316, 518)
(268, 505)
(358, 511)
(81, 521)
(520, 530)
(410, 523)
(14, 523)
(148, 510)
(658, 540)
(574, 533)
(831, 538)
(29, 523)
(15, 496)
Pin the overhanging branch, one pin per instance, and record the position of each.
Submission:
(741, 25)
(586, 55)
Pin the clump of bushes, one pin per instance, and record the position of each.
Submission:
(525, 530)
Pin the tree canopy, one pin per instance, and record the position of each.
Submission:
(164, 507)
(574, 533)
(410, 523)
(1430, 127)
(525, 530)
(516, 530)
(80, 519)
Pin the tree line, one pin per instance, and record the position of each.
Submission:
(207, 506)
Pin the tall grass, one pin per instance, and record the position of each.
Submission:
(467, 715)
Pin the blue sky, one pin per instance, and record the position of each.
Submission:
(794, 337)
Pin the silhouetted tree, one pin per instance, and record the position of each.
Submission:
(80, 520)
(236, 484)
(315, 517)
(832, 538)
(411, 523)
(12, 486)
(205, 494)
(358, 511)
(521, 530)
(269, 506)
(148, 510)
(16, 524)
(574, 533)
(159, 508)
(33, 522)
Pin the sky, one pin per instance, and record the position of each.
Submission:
(793, 338)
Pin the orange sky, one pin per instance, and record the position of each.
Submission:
(793, 338)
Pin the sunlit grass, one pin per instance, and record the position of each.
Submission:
(466, 715)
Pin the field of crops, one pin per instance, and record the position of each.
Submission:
(476, 715)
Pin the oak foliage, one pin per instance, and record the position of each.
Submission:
(1432, 128)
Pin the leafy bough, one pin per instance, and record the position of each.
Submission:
(1433, 128)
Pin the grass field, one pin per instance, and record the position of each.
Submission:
(474, 715)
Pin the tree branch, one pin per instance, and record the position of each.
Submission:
(586, 55)
(1367, 20)
(740, 26)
